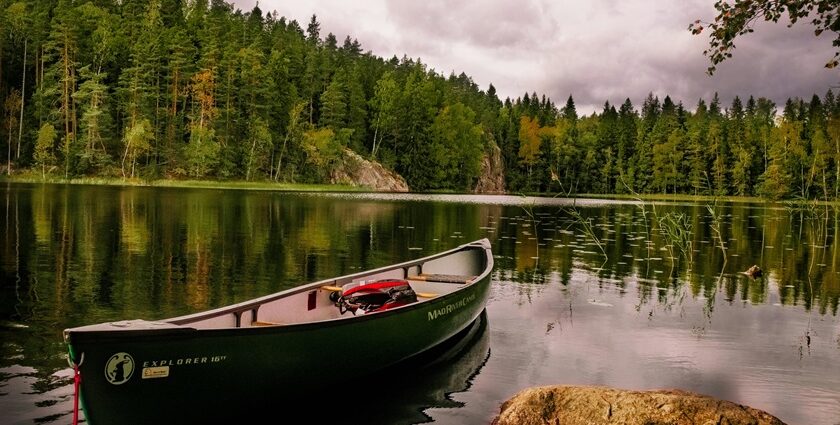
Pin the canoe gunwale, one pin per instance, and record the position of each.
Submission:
(182, 327)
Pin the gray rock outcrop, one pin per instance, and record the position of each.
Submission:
(357, 171)
(573, 405)
(492, 177)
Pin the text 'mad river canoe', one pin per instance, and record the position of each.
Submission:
(316, 338)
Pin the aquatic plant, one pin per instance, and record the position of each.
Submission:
(676, 229)
(585, 226)
(528, 208)
(717, 226)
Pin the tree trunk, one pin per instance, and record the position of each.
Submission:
(157, 119)
(65, 96)
(170, 133)
(9, 166)
(22, 100)
(125, 155)
(837, 167)
(68, 107)
(375, 133)
(280, 159)
(1, 62)
(251, 159)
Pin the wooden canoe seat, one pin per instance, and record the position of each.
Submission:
(262, 323)
(446, 278)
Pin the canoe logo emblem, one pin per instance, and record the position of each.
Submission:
(119, 368)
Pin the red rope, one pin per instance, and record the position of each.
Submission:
(77, 379)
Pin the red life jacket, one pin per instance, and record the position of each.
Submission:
(375, 296)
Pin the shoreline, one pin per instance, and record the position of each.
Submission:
(30, 178)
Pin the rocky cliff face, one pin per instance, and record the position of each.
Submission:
(357, 171)
(492, 177)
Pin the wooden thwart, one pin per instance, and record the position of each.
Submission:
(331, 288)
(445, 278)
(262, 323)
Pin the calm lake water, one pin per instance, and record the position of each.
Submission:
(649, 311)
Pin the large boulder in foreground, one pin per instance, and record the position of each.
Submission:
(572, 405)
(357, 171)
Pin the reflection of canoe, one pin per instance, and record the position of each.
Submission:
(450, 372)
(404, 392)
(286, 343)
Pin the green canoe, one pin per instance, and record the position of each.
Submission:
(190, 369)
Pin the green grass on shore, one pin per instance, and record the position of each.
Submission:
(203, 184)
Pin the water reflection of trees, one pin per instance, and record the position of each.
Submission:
(794, 248)
(75, 255)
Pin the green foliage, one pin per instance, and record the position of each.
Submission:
(334, 105)
(588, 229)
(322, 147)
(198, 88)
(676, 229)
(137, 142)
(202, 152)
(529, 141)
(95, 120)
(258, 154)
(737, 18)
(383, 107)
(44, 148)
(458, 148)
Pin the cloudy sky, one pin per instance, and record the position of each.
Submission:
(595, 50)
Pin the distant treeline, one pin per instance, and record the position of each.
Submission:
(176, 89)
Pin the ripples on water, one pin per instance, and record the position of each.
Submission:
(649, 311)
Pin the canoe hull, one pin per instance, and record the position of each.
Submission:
(190, 375)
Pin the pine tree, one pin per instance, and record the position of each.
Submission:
(179, 69)
(643, 161)
(696, 154)
(357, 114)
(625, 140)
(10, 108)
(95, 118)
(334, 104)
(313, 31)
(742, 150)
(202, 151)
(19, 19)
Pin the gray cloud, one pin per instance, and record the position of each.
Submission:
(597, 51)
(492, 25)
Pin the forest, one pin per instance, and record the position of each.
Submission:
(197, 89)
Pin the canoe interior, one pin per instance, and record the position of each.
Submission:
(430, 277)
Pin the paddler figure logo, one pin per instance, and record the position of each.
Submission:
(119, 368)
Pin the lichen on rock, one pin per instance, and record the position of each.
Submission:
(356, 171)
(573, 405)
(491, 180)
